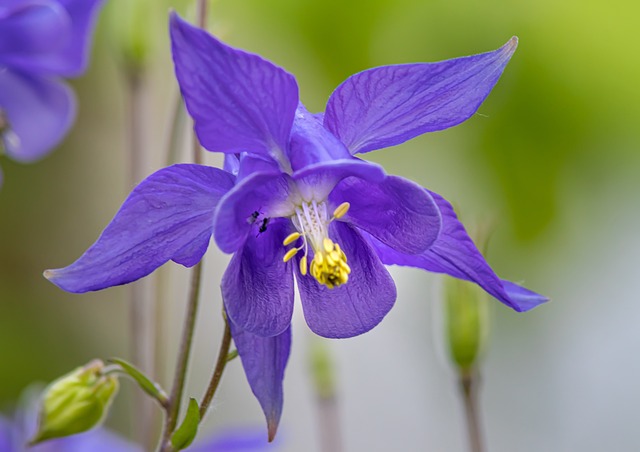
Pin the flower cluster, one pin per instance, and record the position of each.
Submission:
(40, 40)
(293, 199)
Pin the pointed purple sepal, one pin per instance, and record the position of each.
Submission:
(169, 215)
(264, 360)
(455, 254)
(389, 105)
(239, 101)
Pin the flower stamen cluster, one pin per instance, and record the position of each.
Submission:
(329, 264)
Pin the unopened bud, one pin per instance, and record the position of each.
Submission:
(466, 317)
(75, 402)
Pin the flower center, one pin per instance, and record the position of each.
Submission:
(329, 265)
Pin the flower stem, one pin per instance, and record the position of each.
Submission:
(192, 309)
(183, 358)
(223, 359)
(468, 389)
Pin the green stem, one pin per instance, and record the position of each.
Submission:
(177, 389)
(223, 359)
(183, 358)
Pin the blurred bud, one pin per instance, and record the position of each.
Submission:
(467, 313)
(75, 402)
(322, 370)
(466, 317)
(135, 27)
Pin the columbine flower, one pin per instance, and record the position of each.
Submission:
(40, 40)
(293, 199)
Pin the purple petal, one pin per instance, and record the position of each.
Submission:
(315, 182)
(389, 105)
(311, 143)
(32, 30)
(168, 216)
(68, 54)
(259, 196)
(7, 435)
(357, 306)
(257, 286)
(264, 360)
(252, 163)
(455, 254)
(396, 211)
(39, 111)
(99, 440)
(239, 101)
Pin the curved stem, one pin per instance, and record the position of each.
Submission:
(468, 386)
(223, 359)
(183, 357)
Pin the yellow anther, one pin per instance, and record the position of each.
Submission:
(291, 238)
(303, 265)
(328, 244)
(292, 252)
(341, 210)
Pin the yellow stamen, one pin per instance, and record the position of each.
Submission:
(303, 265)
(330, 267)
(328, 244)
(291, 238)
(292, 252)
(341, 210)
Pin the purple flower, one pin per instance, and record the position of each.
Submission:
(40, 41)
(294, 199)
(15, 435)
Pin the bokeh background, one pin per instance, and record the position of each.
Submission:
(551, 160)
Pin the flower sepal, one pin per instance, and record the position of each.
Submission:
(76, 402)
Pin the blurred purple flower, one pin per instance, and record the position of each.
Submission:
(40, 41)
(291, 179)
(15, 435)
(234, 440)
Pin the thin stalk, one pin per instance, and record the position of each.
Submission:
(179, 380)
(468, 387)
(329, 423)
(223, 359)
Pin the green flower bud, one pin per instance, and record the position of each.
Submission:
(75, 402)
(466, 317)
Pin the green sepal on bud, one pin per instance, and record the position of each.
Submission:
(75, 402)
(466, 319)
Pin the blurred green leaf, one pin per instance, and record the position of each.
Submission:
(145, 383)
